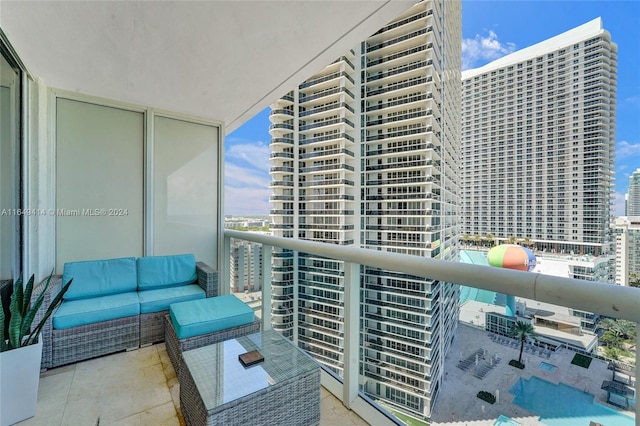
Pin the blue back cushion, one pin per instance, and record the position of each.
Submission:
(95, 278)
(166, 271)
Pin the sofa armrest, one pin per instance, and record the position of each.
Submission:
(207, 279)
(47, 330)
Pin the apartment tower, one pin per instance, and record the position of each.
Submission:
(627, 240)
(633, 196)
(538, 147)
(366, 153)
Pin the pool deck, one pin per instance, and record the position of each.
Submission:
(457, 404)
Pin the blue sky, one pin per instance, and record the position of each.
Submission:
(490, 30)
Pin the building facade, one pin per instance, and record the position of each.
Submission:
(633, 196)
(627, 243)
(245, 266)
(366, 153)
(538, 144)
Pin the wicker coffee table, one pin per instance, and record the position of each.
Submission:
(216, 389)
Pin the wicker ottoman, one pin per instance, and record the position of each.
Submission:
(176, 345)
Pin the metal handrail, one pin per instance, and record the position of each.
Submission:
(605, 299)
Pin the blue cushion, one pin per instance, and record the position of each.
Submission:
(96, 278)
(166, 271)
(198, 317)
(160, 299)
(73, 313)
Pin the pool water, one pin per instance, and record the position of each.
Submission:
(547, 367)
(564, 405)
(505, 421)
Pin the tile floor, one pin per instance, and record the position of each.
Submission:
(131, 388)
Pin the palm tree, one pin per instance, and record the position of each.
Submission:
(522, 331)
(490, 239)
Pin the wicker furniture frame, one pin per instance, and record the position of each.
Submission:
(292, 396)
(88, 341)
(152, 324)
(176, 346)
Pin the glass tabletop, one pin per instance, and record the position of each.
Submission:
(221, 378)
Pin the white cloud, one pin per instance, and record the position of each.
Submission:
(483, 49)
(254, 154)
(239, 176)
(246, 178)
(246, 201)
(626, 149)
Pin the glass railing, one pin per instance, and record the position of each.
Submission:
(324, 108)
(400, 70)
(396, 40)
(351, 347)
(398, 86)
(398, 102)
(324, 123)
(325, 153)
(328, 137)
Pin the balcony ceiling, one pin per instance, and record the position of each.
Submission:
(222, 60)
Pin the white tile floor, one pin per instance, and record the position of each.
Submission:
(131, 388)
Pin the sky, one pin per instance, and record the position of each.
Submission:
(490, 30)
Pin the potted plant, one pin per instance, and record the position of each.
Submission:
(21, 350)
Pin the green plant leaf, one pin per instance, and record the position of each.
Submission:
(3, 343)
(26, 299)
(57, 300)
(28, 314)
(15, 310)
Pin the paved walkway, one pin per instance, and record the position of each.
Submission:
(457, 404)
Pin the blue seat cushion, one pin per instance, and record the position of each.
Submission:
(161, 298)
(73, 313)
(166, 271)
(204, 316)
(94, 278)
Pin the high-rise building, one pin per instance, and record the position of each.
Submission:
(633, 201)
(366, 153)
(538, 143)
(627, 246)
(245, 266)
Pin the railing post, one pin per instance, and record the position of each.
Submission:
(266, 287)
(224, 271)
(351, 333)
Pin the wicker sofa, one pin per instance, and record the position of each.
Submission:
(118, 304)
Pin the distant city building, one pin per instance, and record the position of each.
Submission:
(538, 148)
(366, 153)
(627, 245)
(242, 222)
(633, 201)
(245, 269)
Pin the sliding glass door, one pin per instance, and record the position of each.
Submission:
(11, 214)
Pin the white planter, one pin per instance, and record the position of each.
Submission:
(19, 379)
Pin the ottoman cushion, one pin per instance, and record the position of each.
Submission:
(196, 317)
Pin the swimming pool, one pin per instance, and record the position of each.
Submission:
(505, 421)
(564, 405)
(547, 367)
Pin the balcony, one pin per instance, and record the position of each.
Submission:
(458, 384)
(92, 391)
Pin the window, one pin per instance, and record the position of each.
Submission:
(11, 217)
